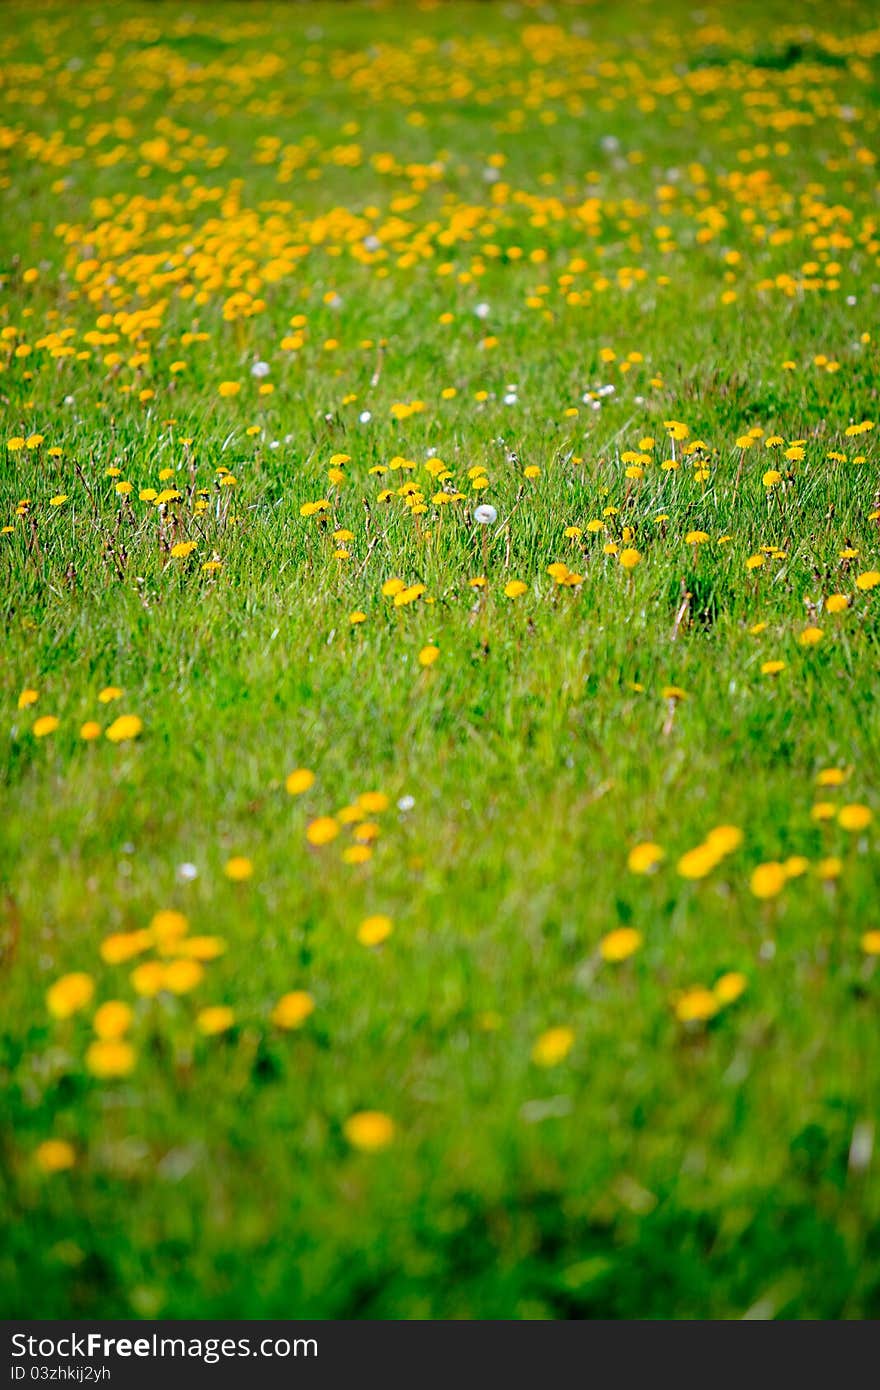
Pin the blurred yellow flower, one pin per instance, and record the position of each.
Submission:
(768, 880)
(696, 1005)
(126, 727)
(643, 858)
(322, 830)
(299, 781)
(69, 994)
(552, 1047)
(112, 1020)
(620, 944)
(218, 1018)
(369, 1130)
(293, 1009)
(55, 1156)
(110, 1059)
(374, 930)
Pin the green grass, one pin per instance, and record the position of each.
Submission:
(159, 165)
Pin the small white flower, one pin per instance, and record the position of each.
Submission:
(371, 242)
(406, 803)
(260, 369)
(481, 311)
(187, 872)
(511, 398)
(365, 417)
(485, 515)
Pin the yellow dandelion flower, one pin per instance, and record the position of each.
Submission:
(239, 869)
(127, 726)
(55, 1156)
(109, 1059)
(218, 1018)
(552, 1047)
(148, 979)
(322, 830)
(724, 839)
(123, 946)
(830, 868)
(183, 975)
(620, 944)
(428, 655)
(796, 866)
(768, 880)
(112, 1020)
(356, 854)
(168, 925)
(46, 724)
(644, 858)
(729, 987)
(696, 1005)
(855, 817)
(698, 862)
(293, 1009)
(299, 781)
(832, 776)
(369, 1131)
(69, 994)
(374, 930)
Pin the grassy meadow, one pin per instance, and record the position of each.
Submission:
(440, 554)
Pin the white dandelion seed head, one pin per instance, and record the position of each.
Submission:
(260, 369)
(481, 311)
(485, 515)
